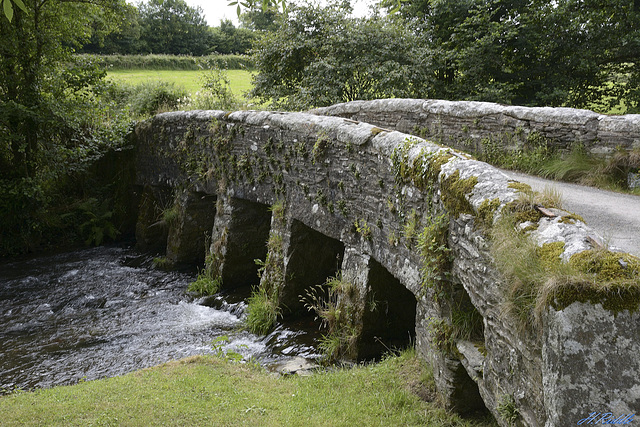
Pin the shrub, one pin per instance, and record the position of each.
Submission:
(171, 62)
(151, 98)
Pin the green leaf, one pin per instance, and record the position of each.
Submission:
(8, 9)
(20, 4)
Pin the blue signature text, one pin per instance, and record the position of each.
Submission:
(606, 418)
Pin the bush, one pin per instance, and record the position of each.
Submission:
(171, 62)
(216, 92)
(151, 98)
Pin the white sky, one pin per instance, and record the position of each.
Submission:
(215, 10)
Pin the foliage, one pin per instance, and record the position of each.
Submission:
(259, 18)
(262, 311)
(209, 280)
(331, 304)
(7, 8)
(321, 56)
(122, 36)
(155, 97)
(58, 119)
(576, 53)
(435, 254)
(172, 62)
(263, 308)
(216, 91)
(508, 410)
(173, 27)
(227, 39)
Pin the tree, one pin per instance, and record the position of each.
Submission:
(173, 27)
(227, 39)
(320, 56)
(257, 18)
(121, 36)
(52, 123)
(579, 53)
(7, 8)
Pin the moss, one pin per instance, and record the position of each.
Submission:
(521, 187)
(522, 212)
(615, 297)
(435, 255)
(607, 266)
(481, 347)
(550, 254)
(571, 219)
(376, 130)
(486, 212)
(426, 168)
(454, 193)
(320, 147)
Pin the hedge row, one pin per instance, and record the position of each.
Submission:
(172, 62)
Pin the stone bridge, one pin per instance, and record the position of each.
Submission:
(408, 224)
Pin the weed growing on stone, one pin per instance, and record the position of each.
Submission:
(331, 304)
(209, 280)
(435, 254)
(508, 410)
(363, 229)
(263, 308)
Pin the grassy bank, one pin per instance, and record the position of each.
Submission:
(190, 80)
(213, 391)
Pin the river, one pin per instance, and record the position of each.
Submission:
(106, 311)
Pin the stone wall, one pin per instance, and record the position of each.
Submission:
(363, 200)
(465, 124)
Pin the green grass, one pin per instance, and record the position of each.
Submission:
(240, 80)
(214, 391)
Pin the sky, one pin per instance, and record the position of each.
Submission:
(215, 10)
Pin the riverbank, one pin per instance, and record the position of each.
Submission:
(211, 390)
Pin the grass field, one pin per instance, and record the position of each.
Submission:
(211, 390)
(240, 80)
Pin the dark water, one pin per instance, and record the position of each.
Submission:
(105, 311)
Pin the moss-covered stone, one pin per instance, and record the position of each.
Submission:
(486, 212)
(571, 219)
(608, 266)
(521, 187)
(522, 212)
(615, 297)
(550, 254)
(455, 191)
(376, 130)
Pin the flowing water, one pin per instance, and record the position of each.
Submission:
(106, 311)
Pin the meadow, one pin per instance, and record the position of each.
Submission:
(190, 80)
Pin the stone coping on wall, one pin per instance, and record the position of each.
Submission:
(473, 120)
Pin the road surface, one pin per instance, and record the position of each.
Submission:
(614, 216)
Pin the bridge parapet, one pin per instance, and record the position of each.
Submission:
(467, 125)
(396, 215)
